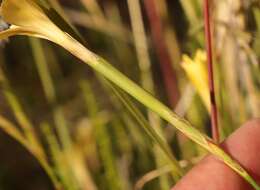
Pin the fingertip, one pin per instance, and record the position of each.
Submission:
(212, 174)
(244, 146)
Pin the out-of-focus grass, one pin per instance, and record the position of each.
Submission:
(114, 152)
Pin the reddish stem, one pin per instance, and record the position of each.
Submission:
(214, 114)
(170, 80)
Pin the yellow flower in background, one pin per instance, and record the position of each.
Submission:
(196, 70)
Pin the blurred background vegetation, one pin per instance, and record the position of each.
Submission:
(82, 135)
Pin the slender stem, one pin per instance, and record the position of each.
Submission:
(214, 115)
(169, 76)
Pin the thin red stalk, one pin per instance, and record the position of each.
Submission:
(169, 77)
(214, 115)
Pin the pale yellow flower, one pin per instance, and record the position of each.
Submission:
(27, 18)
(196, 71)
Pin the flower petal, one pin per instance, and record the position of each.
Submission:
(197, 73)
(16, 30)
(30, 17)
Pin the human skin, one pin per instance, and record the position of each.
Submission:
(212, 174)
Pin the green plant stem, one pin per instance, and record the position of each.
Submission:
(116, 77)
